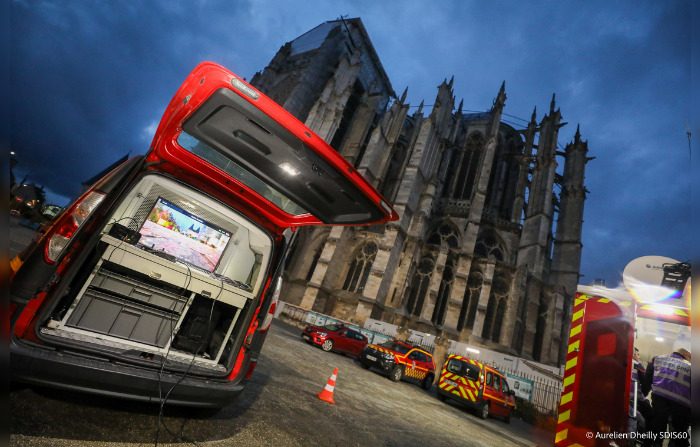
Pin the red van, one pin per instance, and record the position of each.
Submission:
(476, 385)
(161, 280)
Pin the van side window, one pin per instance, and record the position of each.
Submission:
(497, 382)
(489, 379)
(506, 389)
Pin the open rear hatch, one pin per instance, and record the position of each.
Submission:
(290, 174)
(177, 271)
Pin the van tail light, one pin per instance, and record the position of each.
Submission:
(251, 368)
(70, 222)
(273, 307)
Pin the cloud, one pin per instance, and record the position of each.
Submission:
(148, 131)
(89, 81)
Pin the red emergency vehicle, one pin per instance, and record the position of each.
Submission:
(400, 361)
(161, 280)
(476, 385)
(595, 404)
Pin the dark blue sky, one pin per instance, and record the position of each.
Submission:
(89, 81)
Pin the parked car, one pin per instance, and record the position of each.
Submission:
(337, 338)
(163, 277)
(477, 386)
(400, 361)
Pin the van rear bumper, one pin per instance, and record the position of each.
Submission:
(68, 371)
(458, 398)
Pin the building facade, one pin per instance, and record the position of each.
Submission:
(488, 245)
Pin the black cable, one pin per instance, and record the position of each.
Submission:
(163, 401)
(188, 280)
(187, 371)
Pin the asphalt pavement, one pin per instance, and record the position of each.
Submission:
(279, 407)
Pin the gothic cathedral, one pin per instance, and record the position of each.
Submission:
(488, 245)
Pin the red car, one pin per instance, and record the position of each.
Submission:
(336, 337)
(160, 281)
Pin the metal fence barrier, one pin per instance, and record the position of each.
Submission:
(543, 394)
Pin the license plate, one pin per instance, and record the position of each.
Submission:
(305, 337)
(450, 382)
(371, 357)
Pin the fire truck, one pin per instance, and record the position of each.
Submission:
(599, 396)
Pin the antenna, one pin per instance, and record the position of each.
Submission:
(687, 132)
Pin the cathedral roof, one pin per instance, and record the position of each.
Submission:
(315, 37)
(476, 116)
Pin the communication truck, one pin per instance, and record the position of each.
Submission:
(160, 281)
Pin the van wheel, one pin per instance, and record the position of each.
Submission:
(327, 345)
(396, 374)
(484, 411)
(427, 382)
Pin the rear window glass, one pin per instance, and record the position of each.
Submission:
(221, 161)
(332, 327)
(463, 369)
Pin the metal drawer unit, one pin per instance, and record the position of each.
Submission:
(130, 288)
(123, 318)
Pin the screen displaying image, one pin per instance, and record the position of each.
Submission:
(174, 231)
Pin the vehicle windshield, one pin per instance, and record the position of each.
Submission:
(398, 347)
(221, 161)
(332, 327)
(463, 369)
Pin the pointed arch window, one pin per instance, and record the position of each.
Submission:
(445, 290)
(467, 314)
(496, 309)
(471, 160)
(488, 246)
(420, 284)
(360, 267)
(445, 234)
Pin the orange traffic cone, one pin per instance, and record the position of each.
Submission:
(326, 393)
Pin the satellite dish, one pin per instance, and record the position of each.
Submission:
(647, 269)
(653, 278)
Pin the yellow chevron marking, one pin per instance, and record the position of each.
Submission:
(566, 398)
(561, 435)
(575, 330)
(681, 312)
(603, 300)
(577, 315)
(571, 363)
(578, 301)
(573, 346)
(471, 395)
(569, 380)
(462, 392)
(455, 392)
(565, 416)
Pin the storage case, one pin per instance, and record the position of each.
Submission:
(123, 318)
